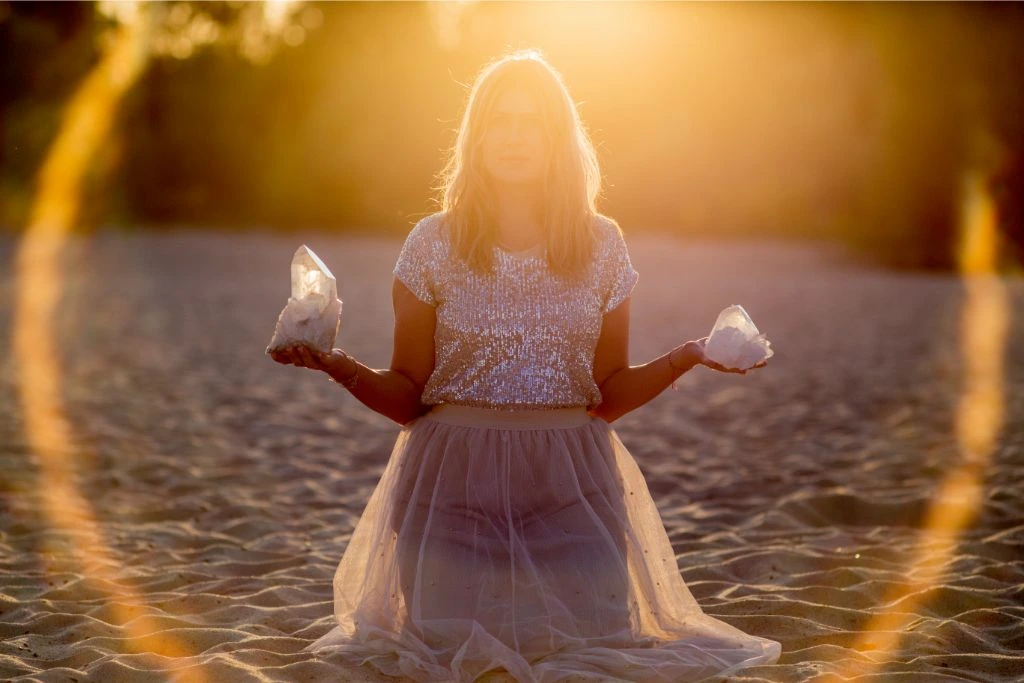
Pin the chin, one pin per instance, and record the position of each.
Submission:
(516, 178)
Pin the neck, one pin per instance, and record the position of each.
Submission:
(519, 217)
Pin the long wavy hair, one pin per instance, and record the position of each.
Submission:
(571, 185)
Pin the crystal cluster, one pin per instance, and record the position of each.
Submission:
(313, 312)
(735, 342)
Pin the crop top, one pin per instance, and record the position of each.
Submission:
(520, 337)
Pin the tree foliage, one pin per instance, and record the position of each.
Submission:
(852, 122)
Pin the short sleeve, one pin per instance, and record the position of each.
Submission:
(416, 261)
(619, 274)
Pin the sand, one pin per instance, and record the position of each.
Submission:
(222, 487)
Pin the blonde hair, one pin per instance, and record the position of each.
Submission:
(571, 185)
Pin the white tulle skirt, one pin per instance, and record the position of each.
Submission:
(527, 543)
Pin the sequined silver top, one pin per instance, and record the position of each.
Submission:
(519, 338)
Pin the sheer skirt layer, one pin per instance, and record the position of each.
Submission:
(525, 542)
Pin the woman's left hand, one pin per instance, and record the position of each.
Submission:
(305, 356)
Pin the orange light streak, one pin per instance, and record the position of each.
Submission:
(39, 283)
(979, 418)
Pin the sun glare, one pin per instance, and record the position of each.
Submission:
(276, 13)
(446, 19)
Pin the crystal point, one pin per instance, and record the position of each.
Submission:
(312, 279)
(312, 314)
(735, 342)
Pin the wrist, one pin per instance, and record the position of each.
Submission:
(682, 359)
(344, 371)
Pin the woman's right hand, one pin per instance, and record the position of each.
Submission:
(286, 355)
(695, 350)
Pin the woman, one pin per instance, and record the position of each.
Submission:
(511, 530)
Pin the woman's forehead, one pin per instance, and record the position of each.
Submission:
(516, 101)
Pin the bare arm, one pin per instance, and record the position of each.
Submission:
(394, 392)
(624, 387)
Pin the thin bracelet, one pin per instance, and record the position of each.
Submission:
(350, 382)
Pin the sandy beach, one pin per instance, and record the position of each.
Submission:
(223, 487)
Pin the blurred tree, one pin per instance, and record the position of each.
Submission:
(850, 122)
(1001, 63)
(45, 50)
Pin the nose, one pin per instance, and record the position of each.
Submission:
(518, 126)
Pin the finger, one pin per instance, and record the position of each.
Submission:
(721, 368)
(311, 358)
(316, 361)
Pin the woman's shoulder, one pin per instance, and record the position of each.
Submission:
(606, 225)
(429, 227)
(418, 261)
(607, 233)
(614, 268)
(428, 234)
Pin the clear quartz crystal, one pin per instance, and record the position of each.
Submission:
(312, 281)
(313, 312)
(735, 342)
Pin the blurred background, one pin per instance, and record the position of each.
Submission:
(160, 162)
(852, 123)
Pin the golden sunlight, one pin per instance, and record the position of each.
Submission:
(979, 418)
(38, 289)
(276, 13)
(446, 19)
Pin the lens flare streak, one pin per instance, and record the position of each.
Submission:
(77, 537)
(979, 418)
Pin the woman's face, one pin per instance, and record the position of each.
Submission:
(514, 145)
